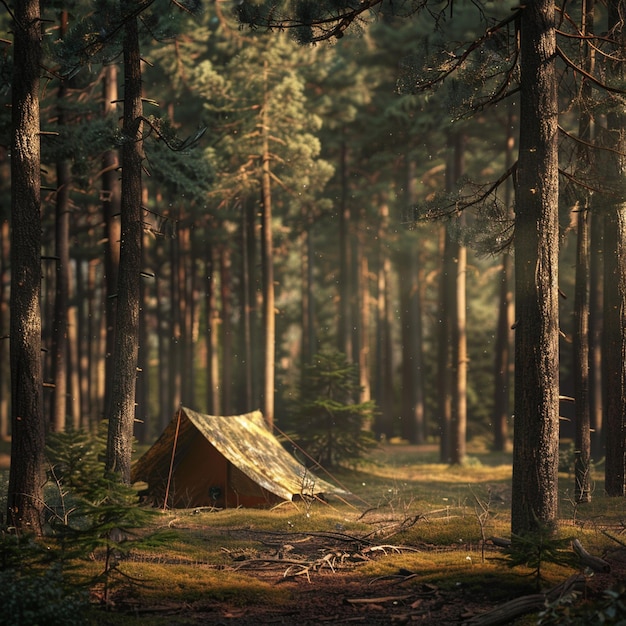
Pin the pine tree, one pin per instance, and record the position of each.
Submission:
(326, 423)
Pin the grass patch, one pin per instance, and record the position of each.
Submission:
(206, 585)
(402, 497)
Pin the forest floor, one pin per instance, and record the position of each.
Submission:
(413, 547)
(412, 544)
(347, 595)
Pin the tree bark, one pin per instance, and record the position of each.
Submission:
(308, 295)
(227, 330)
(614, 348)
(267, 262)
(60, 348)
(187, 314)
(504, 337)
(536, 432)
(458, 324)
(444, 404)
(112, 236)
(410, 295)
(163, 349)
(384, 365)
(247, 299)
(582, 447)
(346, 273)
(5, 373)
(365, 392)
(596, 297)
(212, 332)
(122, 411)
(26, 476)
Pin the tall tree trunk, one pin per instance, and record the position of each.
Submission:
(384, 365)
(163, 349)
(253, 228)
(502, 369)
(344, 335)
(269, 316)
(614, 349)
(122, 411)
(308, 296)
(596, 297)
(143, 417)
(93, 336)
(365, 393)
(212, 332)
(503, 343)
(582, 448)
(174, 363)
(227, 331)
(74, 395)
(536, 433)
(26, 476)
(5, 372)
(458, 322)
(62, 243)
(414, 429)
(444, 402)
(112, 235)
(185, 304)
(409, 288)
(247, 295)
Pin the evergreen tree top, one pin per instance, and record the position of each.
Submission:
(310, 21)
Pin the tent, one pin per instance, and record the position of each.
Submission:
(223, 461)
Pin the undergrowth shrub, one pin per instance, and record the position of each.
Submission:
(569, 610)
(93, 514)
(89, 516)
(44, 599)
(537, 549)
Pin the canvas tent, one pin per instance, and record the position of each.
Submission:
(223, 461)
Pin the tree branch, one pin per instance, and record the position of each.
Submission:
(586, 74)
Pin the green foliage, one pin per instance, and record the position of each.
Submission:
(91, 501)
(34, 585)
(75, 464)
(610, 609)
(329, 425)
(97, 513)
(539, 548)
(96, 37)
(44, 600)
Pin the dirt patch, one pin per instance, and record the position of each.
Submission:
(327, 586)
(345, 598)
(335, 598)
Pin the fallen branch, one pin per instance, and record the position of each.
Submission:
(500, 542)
(594, 562)
(610, 536)
(265, 561)
(380, 600)
(391, 548)
(510, 611)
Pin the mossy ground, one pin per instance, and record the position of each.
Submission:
(413, 529)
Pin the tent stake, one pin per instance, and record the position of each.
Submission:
(169, 475)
